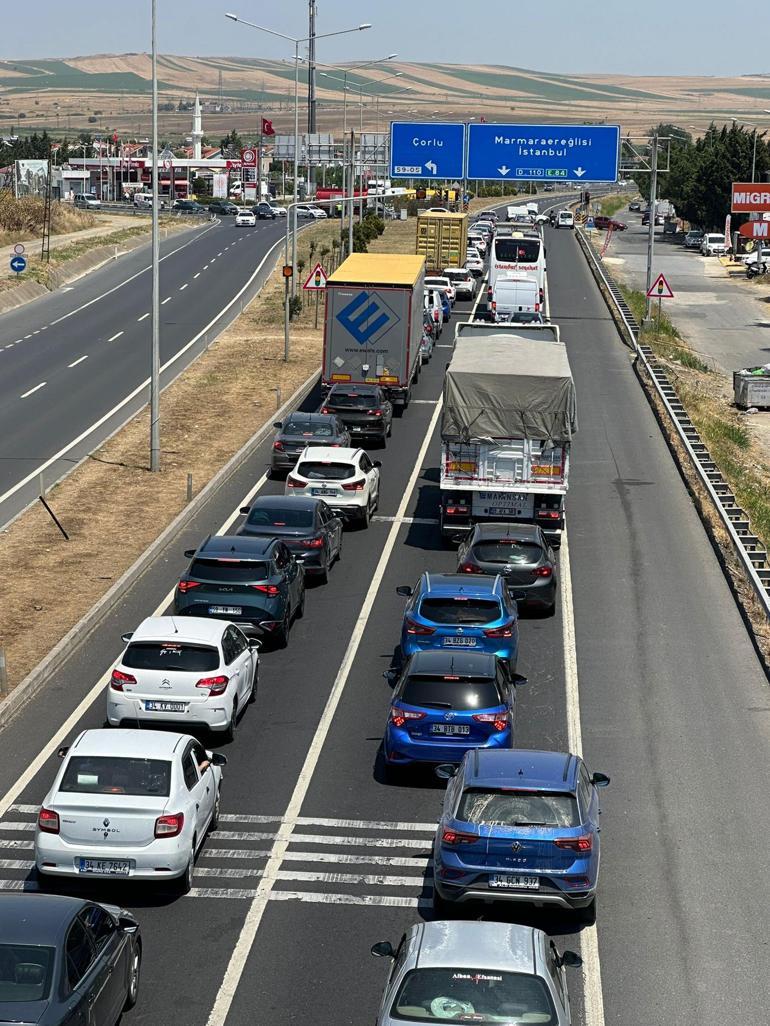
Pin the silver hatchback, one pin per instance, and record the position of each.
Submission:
(479, 972)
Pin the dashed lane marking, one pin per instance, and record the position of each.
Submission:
(79, 360)
(183, 287)
(32, 390)
(166, 300)
(406, 520)
(116, 336)
(144, 316)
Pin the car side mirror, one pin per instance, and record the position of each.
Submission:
(571, 959)
(125, 638)
(404, 590)
(245, 510)
(519, 681)
(600, 780)
(390, 675)
(254, 643)
(383, 948)
(189, 553)
(519, 596)
(63, 751)
(127, 925)
(278, 424)
(376, 463)
(217, 758)
(445, 770)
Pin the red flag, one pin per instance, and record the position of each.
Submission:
(483, 120)
(267, 127)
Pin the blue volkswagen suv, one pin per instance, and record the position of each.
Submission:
(453, 613)
(519, 826)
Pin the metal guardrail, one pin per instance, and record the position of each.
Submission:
(748, 548)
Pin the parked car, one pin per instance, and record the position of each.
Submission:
(265, 211)
(189, 672)
(129, 804)
(713, 244)
(87, 201)
(458, 613)
(56, 952)
(519, 826)
(365, 410)
(344, 478)
(472, 971)
(223, 208)
(245, 217)
(520, 553)
(462, 281)
(301, 430)
(254, 582)
(307, 526)
(308, 210)
(693, 239)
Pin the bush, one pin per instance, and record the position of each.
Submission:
(360, 239)
(376, 222)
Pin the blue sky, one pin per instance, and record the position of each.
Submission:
(659, 37)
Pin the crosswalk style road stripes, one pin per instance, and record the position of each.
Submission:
(333, 861)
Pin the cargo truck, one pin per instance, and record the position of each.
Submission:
(507, 423)
(373, 323)
(442, 238)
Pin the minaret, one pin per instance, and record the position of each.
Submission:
(197, 132)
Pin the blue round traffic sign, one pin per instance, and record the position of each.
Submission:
(18, 264)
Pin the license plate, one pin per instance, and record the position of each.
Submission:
(165, 706)
(510, 882)
(105, 867)
(459, 642)
(503, 504)
(450, 728)
(323, 491)
(225, 610)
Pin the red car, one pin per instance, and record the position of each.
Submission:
(605, 223)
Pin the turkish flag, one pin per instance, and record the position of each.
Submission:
(267, 127)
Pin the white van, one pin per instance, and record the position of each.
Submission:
(516, 299)
(565, 219)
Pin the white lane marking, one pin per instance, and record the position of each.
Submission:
(593, 1000)
(218, 254)
(166, 300)
(205, 267)
(289, 837)
(16, 340)
(80, 360)
(133, 276)
(183, 287)
(18, 826)
(376, 900)
(35, 389)
(16, 863)
(116, 335)
(36, 331)
(144, 316)
(197, 275)
(256, 910)
(424, 402)
(303, 876)
(417, 862)
(28, 336)
(438, 345)
(406, 520)
(363, 824)
(44, 327)
(212, 261)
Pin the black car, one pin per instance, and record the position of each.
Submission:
(66, 961)
(189, 207)
(223, 207)
(634, 205)
(519, 553)
(264, 211)
(254, 582)
(308, 527)
(300, 430)
(363, 409)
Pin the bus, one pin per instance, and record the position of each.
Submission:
(517, 253)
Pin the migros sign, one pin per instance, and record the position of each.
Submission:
(750, 196)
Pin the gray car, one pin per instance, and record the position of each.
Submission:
(475, 972)
(300, 430)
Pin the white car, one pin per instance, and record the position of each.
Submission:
(346, 479)
(246, 217)
(432, 304)
(713, 244)
(130, 804)
(474, 263)
(436, 281)
(478, 241)
(308, 210)
(187, 671)
(462, 280)
(279, 211)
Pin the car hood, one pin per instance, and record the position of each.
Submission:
(25, 1013)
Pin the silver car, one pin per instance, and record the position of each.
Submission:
(479, 972)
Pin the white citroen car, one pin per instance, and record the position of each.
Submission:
(133, 804)
(184, 670)
(346, 479)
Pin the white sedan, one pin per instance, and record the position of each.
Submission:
(131, 804)
(308, 210)
(247, 217)
(346, 479)
(188, 671)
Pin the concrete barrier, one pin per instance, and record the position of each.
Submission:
(21, 294)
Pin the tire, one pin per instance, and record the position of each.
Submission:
(254, 685)
(133, 980)
(390, 428)
(214, 824)
(230, 730)
(587, 915)
(185, 881)
(338, 557)
(441, 907)
(365, 516)
(282, 634)
(323, 577)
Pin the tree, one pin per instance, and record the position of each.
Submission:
(232, 143)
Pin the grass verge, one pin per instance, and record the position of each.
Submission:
(662, 336)
(610, 205)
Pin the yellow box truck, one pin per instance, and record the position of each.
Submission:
(442, 238)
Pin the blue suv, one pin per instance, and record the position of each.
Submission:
(445, 703)
(519, 826)
(453, 613)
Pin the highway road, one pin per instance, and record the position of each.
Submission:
(646, 664)
(69, 360)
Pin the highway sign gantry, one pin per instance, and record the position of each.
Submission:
(660, 289)
(427, 150)
(572, 153)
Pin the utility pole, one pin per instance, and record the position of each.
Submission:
(311, 97)
(653, 206)
(155, 356)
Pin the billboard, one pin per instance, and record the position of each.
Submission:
(220, 186)
(30, 177)
(750, 196)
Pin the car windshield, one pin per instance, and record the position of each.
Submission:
(325, 471)
(233, 571)
(170, 655)
(107, 774)
(449, 692)
(517, 250)
(474, 995)
(458, 276)
(352, 400)
(25, 974)
(459, 610)
(518, 808)
(508, 551)
(307, 429)
(280, 517)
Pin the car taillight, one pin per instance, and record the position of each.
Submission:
(547, 514)
(374, 413)
(457, 837)
(278, 446)
(506, 631)
(456, 511)
(537, 308)
(469, 568)
(499, 722)
(292, 482)
(325, 409)
(169, 826)
(413, 627)
(267, 589)
(312, 543)
(543, 571)
(575, 843)
(48, 821)
(354, 486)
(185, 586)
(494, 305)
(215, 685)
(119, 679)
(398, 717)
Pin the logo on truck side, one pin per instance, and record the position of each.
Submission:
(364, 317)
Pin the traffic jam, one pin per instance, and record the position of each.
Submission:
(137, 805)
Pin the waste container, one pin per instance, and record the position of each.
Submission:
(751, 387)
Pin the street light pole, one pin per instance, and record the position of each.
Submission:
(653, 207)
(155, 306)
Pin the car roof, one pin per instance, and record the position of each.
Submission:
(36, 918)
(451, 584)
(522, 768)
(477, 945)
(148, 744)
(308, 502)
(328, 454)
(299, 417)
(481, 664)
(525, 532)
(234, 546)
(180, 628)
(340, 386)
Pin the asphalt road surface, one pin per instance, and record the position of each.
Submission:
(646, 660)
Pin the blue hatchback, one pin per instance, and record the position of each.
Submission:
(453, 613)
(445, 703)
(519, 826)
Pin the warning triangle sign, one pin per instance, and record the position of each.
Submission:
(316, 279)
(660, 289)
